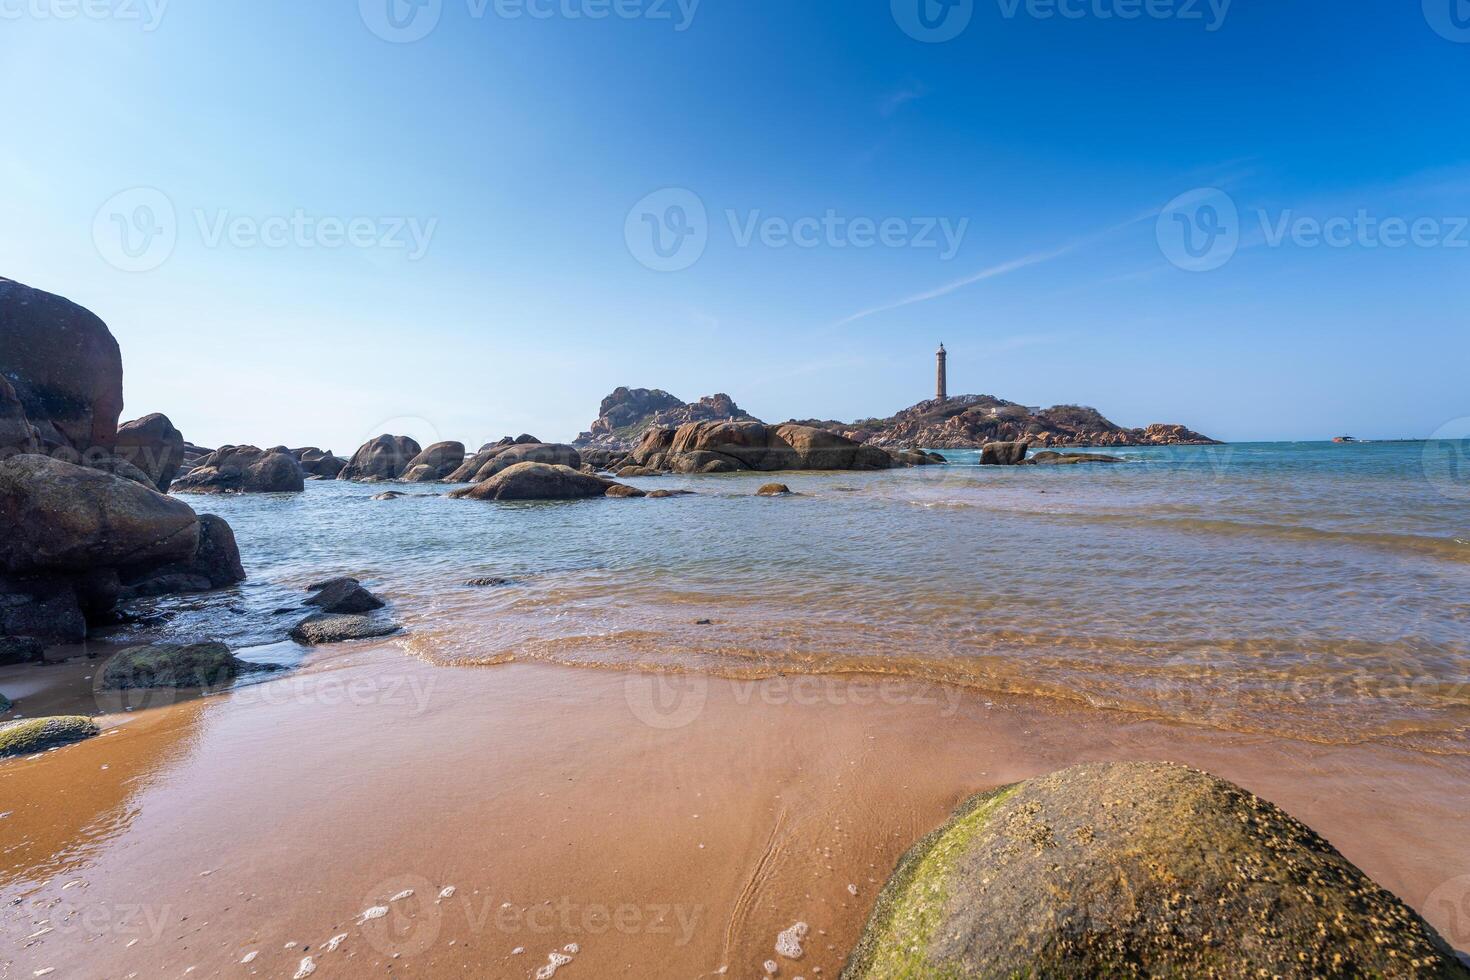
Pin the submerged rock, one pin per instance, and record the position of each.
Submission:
(204, 665)
(321, 628)
(536, 481)
(343, 595)
(623, 490)
(30, 735)
(487, 583)
(1136, 869)
(773, 490)
(1050, 458)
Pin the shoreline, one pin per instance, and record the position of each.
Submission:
(677, 821)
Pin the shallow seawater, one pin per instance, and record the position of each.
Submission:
(1309, 590)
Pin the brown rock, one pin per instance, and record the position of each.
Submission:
(773, 490)
(536, 481)
(435, 463)
(529, 452)
(153, 445)
(1003, 453)
(244, 469)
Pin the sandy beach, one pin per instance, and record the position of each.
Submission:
(635, 824)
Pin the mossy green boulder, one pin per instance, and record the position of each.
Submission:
(30, 735)
(204, 665)
(1136, 870)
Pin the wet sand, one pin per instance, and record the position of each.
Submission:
(636, 824)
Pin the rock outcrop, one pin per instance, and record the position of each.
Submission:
(244, 469)
(536, 481)
(1004, 453)
(17, 435)
(64, 368)
(154, 446)
(383, 458)
(1136, 869)
(970, 421)
(435, 463)
(729, 447)
(319, 463)
(627, 413)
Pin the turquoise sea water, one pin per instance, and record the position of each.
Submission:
(1307, 589)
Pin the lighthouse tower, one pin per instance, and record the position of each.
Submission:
(942, 373)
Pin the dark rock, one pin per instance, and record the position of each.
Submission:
(536, 481)
(17, 435)
(344, 595)
(44, 608)
(63, 365)
(21, 650)
(773, 490)
(492, 582)
(205, 665)
(435, 463)
(218, 557)
(320, 465)
(153, 445)
(107, 463)
(244, 469)
(334, 628)
(388, 495)
(168, 583)
(27, 736)
(623, 490)
(1004, 453)
(65, 517)
(383, 458)
(660, 494)
(1136, 869)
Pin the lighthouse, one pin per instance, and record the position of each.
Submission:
(942, 386)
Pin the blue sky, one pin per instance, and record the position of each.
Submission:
(493, 172)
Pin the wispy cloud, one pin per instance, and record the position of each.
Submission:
(996, 271)
(897, 99)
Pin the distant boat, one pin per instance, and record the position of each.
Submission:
(1345, 439)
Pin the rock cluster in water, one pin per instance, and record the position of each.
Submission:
(85, 526)
(627, 413)
(732, 447)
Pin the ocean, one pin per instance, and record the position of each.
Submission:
(1307, 590)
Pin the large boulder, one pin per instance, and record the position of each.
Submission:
(435, 463)
(244, 469)
(1004, 453)
(323, 627)
(465, 472)
(153, 445)
(554, 454)
(1132, 870)
(214, 565)
(319, 463)
(729, 446)
(63, 365)
(41, 608)
(343, 595)
(383, 458)
(60, 517)
(536, 481)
